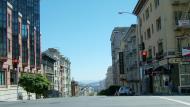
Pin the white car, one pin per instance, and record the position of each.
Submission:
(124, 90)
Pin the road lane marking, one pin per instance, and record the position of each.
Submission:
(178, 101)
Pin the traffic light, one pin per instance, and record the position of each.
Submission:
(144, 55)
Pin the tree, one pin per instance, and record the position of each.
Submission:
(103, 92)
(110, 91)
(26, 81)
(34, 83)
(41, 85)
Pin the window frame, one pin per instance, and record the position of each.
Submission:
(148, 33)
(159, 24)
(13, 75)
(9, 20)
(2, 77)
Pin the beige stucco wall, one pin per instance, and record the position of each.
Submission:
(167, 32)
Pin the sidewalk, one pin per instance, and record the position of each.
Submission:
(8, 100)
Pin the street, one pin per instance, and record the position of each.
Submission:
(103, 101)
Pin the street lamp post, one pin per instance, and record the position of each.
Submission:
(124, 12)
(16, 67)
(17, 74)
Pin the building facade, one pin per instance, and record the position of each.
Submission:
(87, 91)
(68, 77)
(163, 36)
(48, 71)
(117, 55)
(62, 76)
(74, 88)
(66, 74)
(131, 59)
(19, 43)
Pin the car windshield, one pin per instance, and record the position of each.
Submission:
(124, 88)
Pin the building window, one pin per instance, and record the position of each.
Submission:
(150, 53)
(157, 3)
(2, 77)
(148, 33)
(158, 24)
(150, 7)
(160, 48)
(145, 35)
(147, 13)
(143, 17)
(141, 39)
(13, 77)
(121, 63)
(140, 22)
(160, 53)
(9, 20)
(177, 15)
(154, 50)
(152, 28)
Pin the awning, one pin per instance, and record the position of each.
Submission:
(162, 70)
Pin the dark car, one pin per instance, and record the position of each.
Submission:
(125, 91)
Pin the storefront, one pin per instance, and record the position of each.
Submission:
(184, 75)
(162, 77)
(184, 71)
(161, 80)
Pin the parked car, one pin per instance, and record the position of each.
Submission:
(124, 90)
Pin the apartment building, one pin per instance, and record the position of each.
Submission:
(163, 32)
(56, 55)
(66, 74)
(117, 55)
(19, 44)
(48, 71)
(62, 77)
(131, 59)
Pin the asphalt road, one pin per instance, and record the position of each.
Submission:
(103, 101)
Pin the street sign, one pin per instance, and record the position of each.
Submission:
(182, 23)
(185, 52)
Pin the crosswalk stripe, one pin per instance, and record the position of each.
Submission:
(178, 101)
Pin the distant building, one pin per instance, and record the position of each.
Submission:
(48, 71)
(75, 88)
(56, 55)
(87, 91)
(117, 56)
(66, 75)
(131, 59)
(62, 79)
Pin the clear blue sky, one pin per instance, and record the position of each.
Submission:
(81, 30)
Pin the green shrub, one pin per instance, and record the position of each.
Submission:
(110, 91)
